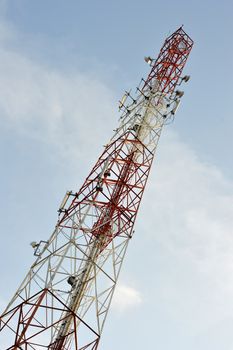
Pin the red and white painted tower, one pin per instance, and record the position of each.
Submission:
(64, 299)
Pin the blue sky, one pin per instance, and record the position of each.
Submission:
(63, 67)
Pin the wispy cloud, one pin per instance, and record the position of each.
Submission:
(126, 297)
(50, 105)
(188, 214)
(195, 201)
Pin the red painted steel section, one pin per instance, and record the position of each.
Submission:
(29, 326)
(168, 67)
(121, 191)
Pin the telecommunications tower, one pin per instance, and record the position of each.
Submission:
(63, 302)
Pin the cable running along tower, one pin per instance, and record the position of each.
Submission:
(64, 299)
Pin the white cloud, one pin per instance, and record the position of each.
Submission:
(189, 213)
(126, 297)
(195, 200)
(50, 105)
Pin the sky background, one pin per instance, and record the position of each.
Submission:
(63, 67)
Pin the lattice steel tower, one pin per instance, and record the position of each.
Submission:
(64, 299)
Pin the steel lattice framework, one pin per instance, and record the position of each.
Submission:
(63, 301)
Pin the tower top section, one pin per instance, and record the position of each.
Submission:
(167, 68)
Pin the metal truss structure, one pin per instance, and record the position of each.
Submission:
(63, 302)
